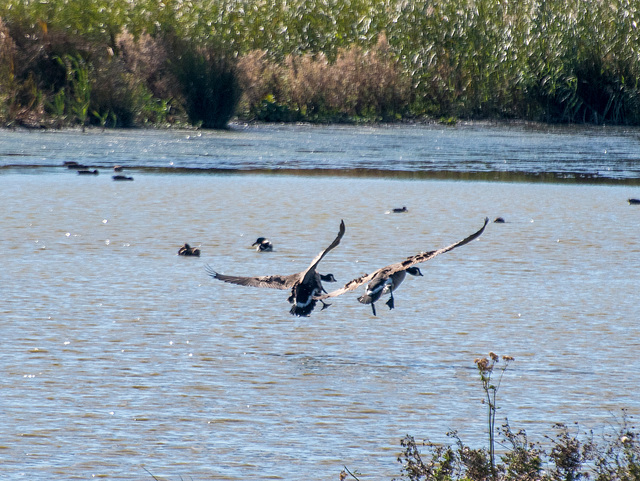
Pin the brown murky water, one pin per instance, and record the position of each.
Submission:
(119, 356)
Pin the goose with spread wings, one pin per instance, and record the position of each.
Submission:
(305, 286)
(387, 279)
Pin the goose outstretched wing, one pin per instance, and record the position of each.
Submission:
(273, 282)
(277, 281)
(399, 266)
(310, 271)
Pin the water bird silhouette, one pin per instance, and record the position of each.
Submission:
(263, 245)
(187, 250)
(121, 177)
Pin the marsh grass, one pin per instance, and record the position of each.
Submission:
(209, 84)
(549, 60)
(79, 86)
(358, 85)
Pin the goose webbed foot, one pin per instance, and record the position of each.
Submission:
(390, 303)
(373, 308)
(324, 305)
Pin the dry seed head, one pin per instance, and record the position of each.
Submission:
(482, 363)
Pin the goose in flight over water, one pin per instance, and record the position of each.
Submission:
(305, 286)
(387, 279)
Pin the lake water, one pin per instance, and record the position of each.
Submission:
(121, 358)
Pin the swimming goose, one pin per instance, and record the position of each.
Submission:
(187, 250)
(305, 286)
(387, 279)
(634, 201)
(263, 245)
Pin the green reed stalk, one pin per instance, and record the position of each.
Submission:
(79, 85)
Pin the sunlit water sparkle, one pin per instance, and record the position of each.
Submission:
(119, 356)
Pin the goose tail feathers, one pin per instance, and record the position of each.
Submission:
(366, 299)
(303, 310)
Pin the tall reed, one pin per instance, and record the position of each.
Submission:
(550, 60)
(209, 84)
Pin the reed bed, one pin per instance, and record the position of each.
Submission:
(324, 61)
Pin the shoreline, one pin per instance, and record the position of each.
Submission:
(384, 174)
(522, 152)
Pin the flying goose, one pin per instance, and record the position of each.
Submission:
(387, 279)
(263, 245)
(305, 286)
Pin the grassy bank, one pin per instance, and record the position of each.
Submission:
(122, 63)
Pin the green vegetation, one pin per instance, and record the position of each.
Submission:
(573, 455)
(177, 62)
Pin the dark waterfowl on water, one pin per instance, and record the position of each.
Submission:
(88, 172)
(398, 210)
(121, 177)
(263, 245)
(305, 286)
(187, 250)
(118, 168)
(499, 220)
(387, 279)
(72, 164)
(634, 201)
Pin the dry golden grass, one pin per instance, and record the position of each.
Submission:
(360, 83)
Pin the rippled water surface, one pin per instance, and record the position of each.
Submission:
(502, 152)
(120, 356)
